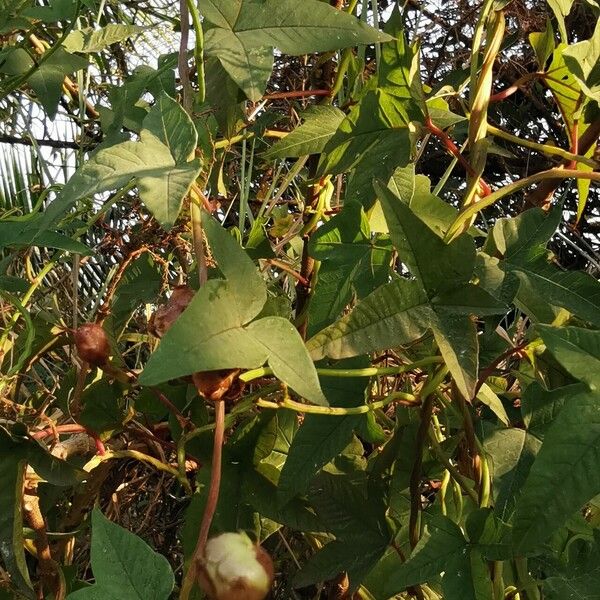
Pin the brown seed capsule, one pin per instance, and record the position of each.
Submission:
(213, 385)
(235, 568)
(166, 314)
(92, 344)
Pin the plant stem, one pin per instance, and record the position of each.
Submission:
(199, 50)
(454, 472)
(526, 581)
(211, 501)
(136, 455)
(184, 74)
(400, 397)
(367, 372)
(543, 148)
(467, 212)
(428, 395)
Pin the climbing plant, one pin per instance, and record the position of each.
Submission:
(299, 300)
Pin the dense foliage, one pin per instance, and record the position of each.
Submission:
(324, 273)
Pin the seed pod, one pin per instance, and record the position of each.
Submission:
(92, 344)
(213, 385)
(167, 313)
(235, 568)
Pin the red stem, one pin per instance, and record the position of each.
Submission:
(296, 94)
(453, 149)
(211, 500)
(487, 372)
(49, 431)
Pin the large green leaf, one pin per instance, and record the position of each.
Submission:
(466, 577)
(23, 234)
(351, 264)
(320, 123)
(415, 190)
(358, 522)
(417, 243)
(124, 566)
(511, 453)
(47, 79)
(440, 299)
(442, 543)
(564, 475)
(522, 241)
(541, 407)
(215, 332)
(160, 162)
(287, 356)
(374, 138)
(394, 314)
(94, 40)
(245, 32)
(578, 350)
(456, 337)
(322, 437)
(583, 60)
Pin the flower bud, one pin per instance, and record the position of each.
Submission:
(234, 568)
(92, 344)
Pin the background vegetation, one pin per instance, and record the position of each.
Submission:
(382, 221)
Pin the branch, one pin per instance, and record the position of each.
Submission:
(12, 139)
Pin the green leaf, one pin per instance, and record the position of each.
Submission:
(394, 314)
(244, 33)
(56, 11)
(47, 79)
(576, 349)
(541, 407)
(124, 566)
(580, 587)
(23, 234)
(104, 408)
(214, 332)
(321, 437)
(511, 453)
(467, 577)
(287, 356)
(374, 138)
(456, 337)
(415, 190)
(487, 396)
(159, 162)
(583, 60)
(94, 40)
(320, 123)
(443, 541)
(522, 240)
(358, 523)
(356, 557)
(561, 9)
(564, 475)
(351, 263)
(417, 243)
(369, 143)
(543, 44)
(274, 442)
